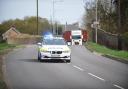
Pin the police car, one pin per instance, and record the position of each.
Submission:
(52, 48)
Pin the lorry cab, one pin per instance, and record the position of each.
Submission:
(76, 37)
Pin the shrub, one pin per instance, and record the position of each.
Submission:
(125, 38)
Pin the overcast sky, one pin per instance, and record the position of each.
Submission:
(66, 10)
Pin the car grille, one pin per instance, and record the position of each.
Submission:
(56, 52)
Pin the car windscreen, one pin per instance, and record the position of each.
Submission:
(54, 42)
(76, 37)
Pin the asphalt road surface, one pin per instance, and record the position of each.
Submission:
(86, 71)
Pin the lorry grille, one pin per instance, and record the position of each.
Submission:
(76, 43)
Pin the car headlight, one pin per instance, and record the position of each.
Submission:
(44, 50)
(66, 51)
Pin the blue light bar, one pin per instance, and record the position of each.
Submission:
(48, 35)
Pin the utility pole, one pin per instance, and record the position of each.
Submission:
(53, 2)
(53, 30)
(119, 25)
(96, 22)
(119, 17)
(37, 17)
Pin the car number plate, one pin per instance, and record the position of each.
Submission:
(55, 55)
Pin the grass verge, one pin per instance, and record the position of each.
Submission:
(4, 48)
(116, 54)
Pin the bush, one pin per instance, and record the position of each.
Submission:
(125, 38)
(3, 85)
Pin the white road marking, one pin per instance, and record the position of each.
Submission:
(118, 86)
(96, 76)
(78, 68)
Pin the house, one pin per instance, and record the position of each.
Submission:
(11, 33)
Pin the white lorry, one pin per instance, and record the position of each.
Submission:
(76, 37)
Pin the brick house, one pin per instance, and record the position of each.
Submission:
(11, 33)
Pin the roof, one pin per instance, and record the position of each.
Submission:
(5, 35)
(12, 28)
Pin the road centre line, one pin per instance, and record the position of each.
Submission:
(118, 86)
(78, 68)
(96, 76)
(89, 73)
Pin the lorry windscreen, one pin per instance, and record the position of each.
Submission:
(76, 37)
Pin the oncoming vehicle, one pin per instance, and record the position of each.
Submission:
(54, 48)
(75, 37)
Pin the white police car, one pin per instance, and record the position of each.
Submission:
(54, 48)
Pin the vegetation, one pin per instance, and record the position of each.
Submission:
(3, 49)
(106, 51)
(29, 25)
(125, 38)
(112, 15)
(112, 18)
(4, 46)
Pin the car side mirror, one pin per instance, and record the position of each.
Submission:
(68, 43)
(39, 44)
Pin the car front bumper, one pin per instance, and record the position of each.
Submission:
(63, 56)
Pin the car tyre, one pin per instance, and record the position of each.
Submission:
(68, 61)
(39, 57)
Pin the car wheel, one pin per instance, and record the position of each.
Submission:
(68, 61)
(39, 56)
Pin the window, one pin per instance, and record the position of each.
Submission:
(54, 42)
(76, 37)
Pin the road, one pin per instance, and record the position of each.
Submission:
(86, 71)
